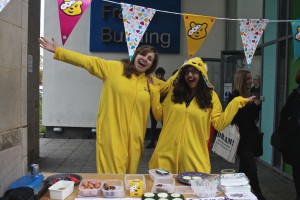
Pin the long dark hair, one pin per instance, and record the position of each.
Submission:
(182, 92)
(240, 82)
(129, 68)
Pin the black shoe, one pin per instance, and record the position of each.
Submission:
(151, 145)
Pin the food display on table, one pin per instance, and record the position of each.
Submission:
(113, 188)
(163, 185)
(89, 188)
(188, 185)
(159, 173)
(186, 177)
(136, 188)
(134, 177)
(61, 189)
(64, 176)
(162, 196)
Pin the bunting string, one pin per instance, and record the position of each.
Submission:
(219, 18)
(197, 27)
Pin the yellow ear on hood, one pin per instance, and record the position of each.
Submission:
(201, 66)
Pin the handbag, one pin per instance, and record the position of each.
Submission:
(275, 139)
(226, 143)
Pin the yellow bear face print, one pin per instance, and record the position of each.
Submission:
(197, 31)
(136, 188)
(71, 7)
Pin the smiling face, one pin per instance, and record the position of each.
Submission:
(143, 62)
(192, 76)
(249, 80)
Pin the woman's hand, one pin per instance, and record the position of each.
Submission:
(49, 46)
(251, 98)
(256, 101)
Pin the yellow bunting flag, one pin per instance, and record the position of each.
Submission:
(197, 28)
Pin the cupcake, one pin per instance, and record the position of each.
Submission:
(196, 178)
(149, 195)
(162, 195)
(174, 195)
(187, 179)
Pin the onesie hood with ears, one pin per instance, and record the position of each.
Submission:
(201, 66)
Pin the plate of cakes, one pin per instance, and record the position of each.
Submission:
(186, 177)
(162, 196)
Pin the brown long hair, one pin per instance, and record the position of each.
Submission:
(129, 68)
(182, 91)
(240, 82)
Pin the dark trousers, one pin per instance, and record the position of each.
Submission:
(296, 177)
(248, 166)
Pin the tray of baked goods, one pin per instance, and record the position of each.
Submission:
(162, 196)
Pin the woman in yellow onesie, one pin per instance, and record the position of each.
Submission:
(125, 103)
(189, 109)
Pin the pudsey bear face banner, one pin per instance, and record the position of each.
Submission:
(69, 12)
(197, 28)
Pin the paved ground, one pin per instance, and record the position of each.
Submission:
(78, 155)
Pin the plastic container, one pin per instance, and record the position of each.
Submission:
(87, 192)
(204, 187)
(118, 190)
(166, 185)
(236, 179)
(154, 175)
(61, 189)
(33, 181)
(129, 177)
(184, 190)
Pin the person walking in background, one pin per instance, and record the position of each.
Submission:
(290, 124)
(246, 119)
(187, 112)
(256, 85)
(125, 103)
(160, 74)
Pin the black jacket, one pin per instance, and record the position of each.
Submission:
(289, 123)
(246, 119)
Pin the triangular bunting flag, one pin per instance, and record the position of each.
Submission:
(136, 20)
(251, 31)
(3, 3)
(296, 39)
(197, 28)
(70, 12)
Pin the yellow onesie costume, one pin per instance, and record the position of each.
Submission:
(182, 144)
(123, 112)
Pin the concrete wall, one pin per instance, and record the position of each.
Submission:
(13, 90)
(64, 84)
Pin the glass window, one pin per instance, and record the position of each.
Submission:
(282, 16)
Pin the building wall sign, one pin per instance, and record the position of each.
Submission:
(107, 30)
